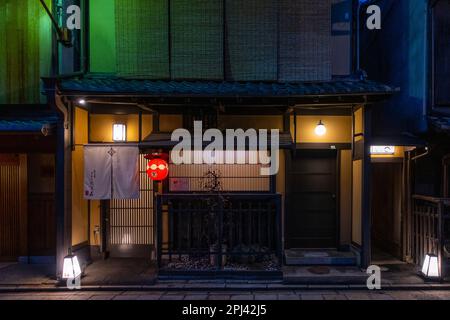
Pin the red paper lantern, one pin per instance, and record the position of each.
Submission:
(157, 169)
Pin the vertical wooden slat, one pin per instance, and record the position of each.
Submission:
(10, 207)
(131, 221)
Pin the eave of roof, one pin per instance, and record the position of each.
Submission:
(162, 91)
(163, 140)
(440, 123)
(25, 125)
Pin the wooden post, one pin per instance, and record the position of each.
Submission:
(155, 120)
(440, 237)
(366, 191)
(63, 192)
(279, 244)
(159, 229)
(220, 233)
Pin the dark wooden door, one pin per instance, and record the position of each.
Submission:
(311, 200)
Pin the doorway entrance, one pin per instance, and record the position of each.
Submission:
(311, 210)
(27, 207)
(129, 223)
(386, 211)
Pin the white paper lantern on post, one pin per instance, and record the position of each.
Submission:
(71, 267)
(430, 267)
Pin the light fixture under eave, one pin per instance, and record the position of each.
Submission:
(382, 150)
(81, 102)
(320, 129)
(119, 132)
(71, 267)
(430, 267)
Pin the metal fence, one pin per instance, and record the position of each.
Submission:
(214, 230)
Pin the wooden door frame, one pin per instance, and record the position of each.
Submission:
(307, 147)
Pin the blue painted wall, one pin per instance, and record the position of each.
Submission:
(396, 55)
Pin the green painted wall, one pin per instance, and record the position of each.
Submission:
(102, 36)
(25, 50)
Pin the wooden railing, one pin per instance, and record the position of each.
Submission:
(430, 228)
(191, 227)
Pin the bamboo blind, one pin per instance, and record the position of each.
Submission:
(197, 39)
(24, 55)
(142, 38)
(305, 37)
(236, 40)
(251, 38)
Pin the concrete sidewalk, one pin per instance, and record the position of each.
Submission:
(232, 295)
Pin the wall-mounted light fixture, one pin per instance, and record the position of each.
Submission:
(119, 132)
(320, 129)
(380, 150)
(81, 102)
(430, 267)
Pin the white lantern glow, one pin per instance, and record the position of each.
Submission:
(119, 132)
(71, 267)
(320, 130)
(430, 267)
(382, 150)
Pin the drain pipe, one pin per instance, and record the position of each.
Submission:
(63, 176)
(358, 44)
(427, 151)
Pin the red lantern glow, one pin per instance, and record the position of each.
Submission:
(157, 169)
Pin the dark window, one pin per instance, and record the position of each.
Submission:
(441, 53)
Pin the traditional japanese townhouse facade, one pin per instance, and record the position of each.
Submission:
(152, 67)
(411, 51)
(27, 135)
(281, 65)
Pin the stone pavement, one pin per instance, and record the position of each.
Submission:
(233, 295)
(27, 274)
(132, 274)
(100, 273)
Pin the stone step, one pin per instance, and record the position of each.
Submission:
(320, 275)
(301, 257)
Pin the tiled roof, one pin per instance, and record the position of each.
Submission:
(26, 125)
(440, 124)
(115, 86)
